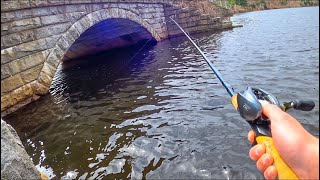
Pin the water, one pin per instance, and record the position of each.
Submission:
(162, 113)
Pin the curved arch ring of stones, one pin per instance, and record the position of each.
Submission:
(67, 39)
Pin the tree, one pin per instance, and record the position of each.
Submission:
(231, 3)
(241, 2)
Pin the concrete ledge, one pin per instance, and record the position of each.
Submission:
(19, 105)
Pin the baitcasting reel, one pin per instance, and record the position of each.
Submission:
(248, 104)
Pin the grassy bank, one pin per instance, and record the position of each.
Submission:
(226, 8)
(238, 6)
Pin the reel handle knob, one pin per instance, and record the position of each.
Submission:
(303, 105)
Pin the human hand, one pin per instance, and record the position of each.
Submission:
(297, 147)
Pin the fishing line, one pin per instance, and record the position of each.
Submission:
(140, 49)
(232, 71)
(171, 19)
(237, 75)
(136, 53)
(213, 68)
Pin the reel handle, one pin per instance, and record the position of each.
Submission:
(302, 105)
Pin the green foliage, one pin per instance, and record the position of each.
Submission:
(284, 2)
(242, 2)
(262, 3)
(232, 3)
(252, 6)
(307, 2)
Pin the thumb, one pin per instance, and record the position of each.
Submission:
(283, 125)
(274, 113)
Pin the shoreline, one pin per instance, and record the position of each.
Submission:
(248, 10)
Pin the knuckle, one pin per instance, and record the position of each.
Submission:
(252, 155)
(261, 163)
(270, 173)
(259, 166)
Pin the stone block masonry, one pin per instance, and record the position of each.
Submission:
(191, 21)
(36, 36)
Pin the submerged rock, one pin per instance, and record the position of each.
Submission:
(15, 162)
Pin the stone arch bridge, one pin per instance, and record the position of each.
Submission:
(37, 35)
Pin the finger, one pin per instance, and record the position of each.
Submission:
(264, 162)
(262, 102)
(281, 121)
(274, 113)
(257, 151)
(271, 172)
(251, 136)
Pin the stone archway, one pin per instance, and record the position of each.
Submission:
(55, 56)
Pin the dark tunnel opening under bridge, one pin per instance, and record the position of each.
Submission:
(108, 35)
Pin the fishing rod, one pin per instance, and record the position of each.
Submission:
(215, 70)
(247, 103)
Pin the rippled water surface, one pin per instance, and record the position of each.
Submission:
(161, 113)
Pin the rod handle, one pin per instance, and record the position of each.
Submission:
(284, 171)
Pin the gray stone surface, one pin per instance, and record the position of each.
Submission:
(15, 162)
(36, 35)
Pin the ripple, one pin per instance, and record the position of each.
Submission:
(164, 114)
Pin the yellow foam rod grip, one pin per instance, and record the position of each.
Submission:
(284, 171)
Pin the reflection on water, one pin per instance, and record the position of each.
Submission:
(163, 114)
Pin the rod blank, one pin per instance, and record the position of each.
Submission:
(225, 85)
